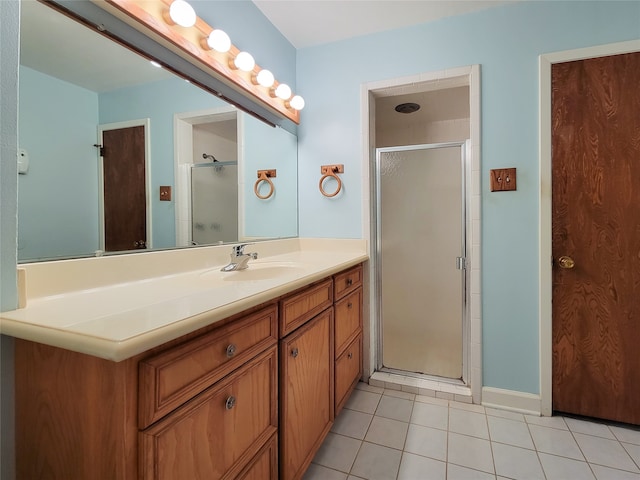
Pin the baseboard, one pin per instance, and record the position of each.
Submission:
(521, 402)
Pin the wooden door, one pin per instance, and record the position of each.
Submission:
(306, 394)
(596, 228)
(125, 206)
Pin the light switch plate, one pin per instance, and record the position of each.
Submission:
(503, 179)
(165, 193)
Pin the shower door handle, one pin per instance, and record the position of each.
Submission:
(461, 263)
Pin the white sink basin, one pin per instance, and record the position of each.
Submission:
(257, 272)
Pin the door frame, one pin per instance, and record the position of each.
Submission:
(183, 160)
(545, 211)
(146, 123)
(458, 76)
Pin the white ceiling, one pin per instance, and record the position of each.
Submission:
(307, 23)
(55, 45)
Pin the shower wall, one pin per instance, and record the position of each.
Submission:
(214, 188)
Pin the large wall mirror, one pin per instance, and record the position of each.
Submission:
(121, 156)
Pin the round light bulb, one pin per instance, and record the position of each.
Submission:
(182, 13)
(297, 102)
(244, 61)
(283, 91)
(265, 78)
(219, 41)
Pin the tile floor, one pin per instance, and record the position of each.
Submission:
(388, 434)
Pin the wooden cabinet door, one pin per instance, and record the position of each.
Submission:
(348, 371)
(217, 433)
(306, 394)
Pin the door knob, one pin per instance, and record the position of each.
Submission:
(566, 262)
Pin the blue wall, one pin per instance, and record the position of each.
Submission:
(158, 101)
(58, 197)
(506, 42)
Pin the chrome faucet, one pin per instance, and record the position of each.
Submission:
(239, 259)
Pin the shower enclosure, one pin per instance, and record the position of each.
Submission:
(420, 253)
(214, 202)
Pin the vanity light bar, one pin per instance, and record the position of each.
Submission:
(206, 47)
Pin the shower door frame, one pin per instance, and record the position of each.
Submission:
(465, 159)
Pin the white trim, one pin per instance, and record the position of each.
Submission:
(512, 400)
(146, 123)
(545, 218)
(468, 75)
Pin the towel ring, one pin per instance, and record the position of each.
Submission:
(330, 171)
(264, 176)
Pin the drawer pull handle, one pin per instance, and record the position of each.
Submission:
(294, 352)
(349, 282)
(349, 305)
(350, 355)
(230, 403)
(231, 350)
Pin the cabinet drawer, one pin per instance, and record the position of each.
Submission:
(300, 307)
(348, 371)
(217, 433)
(347, 282)
(169, 379)
(348, 315)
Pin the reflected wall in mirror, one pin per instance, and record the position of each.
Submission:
(79, 89)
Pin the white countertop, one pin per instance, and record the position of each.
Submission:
(81, 306)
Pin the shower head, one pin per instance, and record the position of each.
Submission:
(205, 156)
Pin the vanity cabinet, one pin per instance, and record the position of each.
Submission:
(201, 406)
(251, 397)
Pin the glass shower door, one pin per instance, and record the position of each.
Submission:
(421, 250)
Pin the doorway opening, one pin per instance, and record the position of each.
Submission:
(207, 172)
(430, 147)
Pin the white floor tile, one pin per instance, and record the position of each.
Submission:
(606, 473)
(432, 400)
(413, 467)
(338, 452)
(468, 406)
(400, 394)
(426, 441)
(626, 435)
(395, 408)
(369, 388)
(456, 472)
(387, 432)
(553, 422)
(511, 432)
(470, 452)
(517, 463)
(429, 415)
(495, 412)
(318, 472)
(375, 462)
(560, 468)
(352, 423)
(634, 451)
(363, 401)
(555, 442)
(589, 428)
(468, 423)
(602, 451)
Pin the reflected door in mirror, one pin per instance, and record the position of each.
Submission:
(125, 217)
